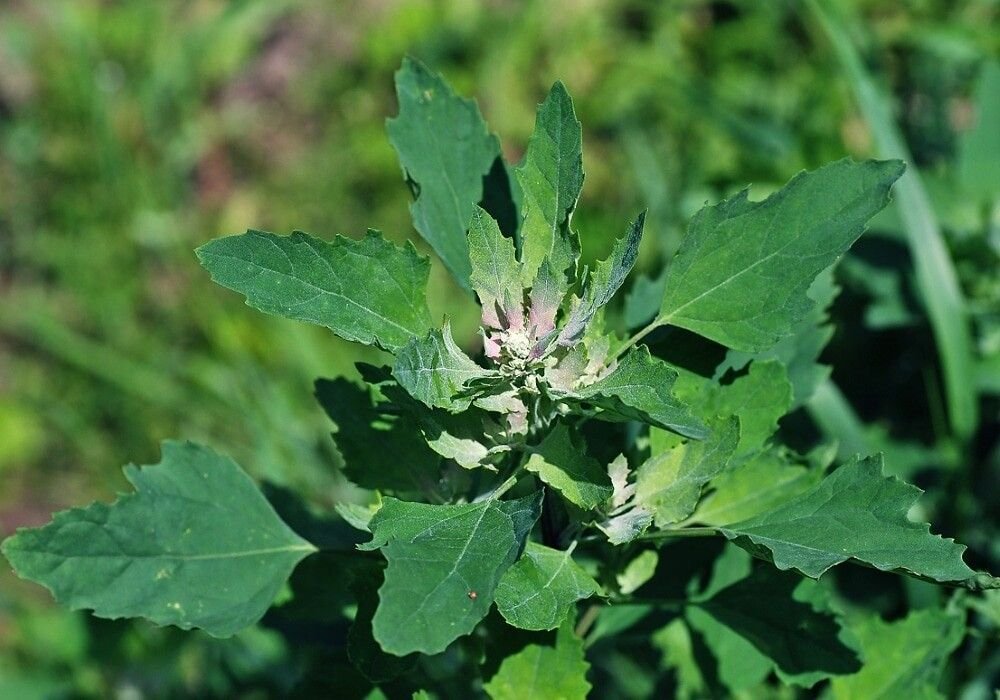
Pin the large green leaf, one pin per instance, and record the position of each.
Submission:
(551, 178)
(434, 370)
(367, 290)
(445, 150)
(607, 278)
(196, 545)
(539, 591)
(742, 272)
(544, 672)
(565, 465)
(444, 564)
(669, 484)
(903, 659)
(854, 513)
(639, 388)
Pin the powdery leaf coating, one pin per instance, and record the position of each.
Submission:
(539, 591)
(669, 484)
(565, 465)
(606, 279)
(368, 291)
(854, 513)
(196, 545)
(496, 273)
(551, 178)
(433, 369)
(444, 564)
(445, 149)
(742, 272)
(903, 659)
(639, 388)
(544, 672)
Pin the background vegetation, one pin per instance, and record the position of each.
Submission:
(130, 132)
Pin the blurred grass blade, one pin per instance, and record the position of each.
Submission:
(934, 271)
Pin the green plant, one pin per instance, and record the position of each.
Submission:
(580, 482)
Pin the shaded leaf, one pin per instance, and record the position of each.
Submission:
(367, 290)
(803, 643)
(196, 545)
(445, 149)
(903, 659)
(742, 272)
(544, 672)
(567, 467)
(539, 591)
(380, 451)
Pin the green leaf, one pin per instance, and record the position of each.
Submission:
(540, 590)
(854, 513)
(765, 610)
(607, 277)
(759, 398)
(544, 672)
(196, 545)
(678, 649)
(742, 272)
(434, 370)
(367, 290)
(363, 651)
(799, 351)
(551, 178)
(566, 466)
(669, 484)
(380, 450)
(444, 564)
(903, 659)
(639, 388)
(445, 150)
(638, 571)
(496, 273)
(757, 486)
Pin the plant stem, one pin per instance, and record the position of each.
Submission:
(587, 620)
(631, 342)
(682, 532)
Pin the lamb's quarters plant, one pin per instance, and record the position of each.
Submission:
(556, 475)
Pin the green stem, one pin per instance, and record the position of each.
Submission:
(681, 532)
(652, 326)
(587, 620)
(933, 267)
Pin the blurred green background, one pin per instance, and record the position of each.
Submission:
(131, 132)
